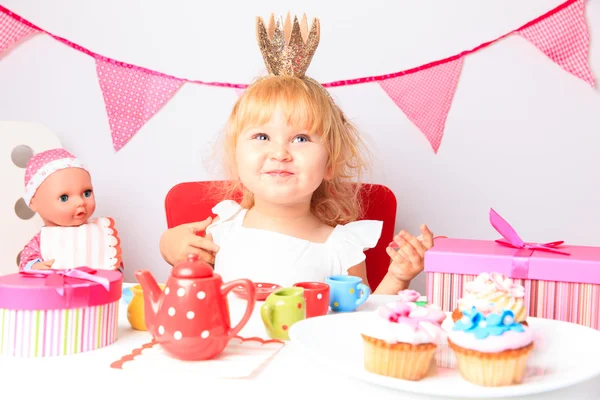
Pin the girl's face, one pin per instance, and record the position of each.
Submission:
(65, 198)
(279, 163)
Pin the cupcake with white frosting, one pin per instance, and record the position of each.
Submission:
(492, 292)
(401, 340)
(492, 349)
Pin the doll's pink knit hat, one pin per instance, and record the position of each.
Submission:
(44, 164)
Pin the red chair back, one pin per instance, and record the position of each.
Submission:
(193, 201)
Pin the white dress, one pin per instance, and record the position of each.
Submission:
(272, 257)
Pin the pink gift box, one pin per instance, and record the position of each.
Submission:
(58, 312)
(561, 281)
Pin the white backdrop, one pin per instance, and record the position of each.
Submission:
(522, 136)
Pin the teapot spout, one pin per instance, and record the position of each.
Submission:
(152, 292)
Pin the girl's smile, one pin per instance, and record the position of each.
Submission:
(280, 163)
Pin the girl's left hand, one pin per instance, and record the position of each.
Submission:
(407, 253)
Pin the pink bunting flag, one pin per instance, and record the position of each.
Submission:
(564, 38)
(425, 96)
(132, 95)
(11, 31)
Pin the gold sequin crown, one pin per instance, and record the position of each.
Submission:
(287, 48)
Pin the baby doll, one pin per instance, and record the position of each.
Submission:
(59, 189)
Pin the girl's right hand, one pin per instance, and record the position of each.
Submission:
(178, 243)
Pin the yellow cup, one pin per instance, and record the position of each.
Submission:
(135, 309)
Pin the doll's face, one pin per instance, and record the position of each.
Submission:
(65, 198)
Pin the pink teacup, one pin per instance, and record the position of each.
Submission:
(316, 297)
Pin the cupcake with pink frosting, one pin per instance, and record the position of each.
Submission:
(402, 338)
(492, 349)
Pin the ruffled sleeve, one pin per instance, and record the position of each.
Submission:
(226, 210)
(351, 241)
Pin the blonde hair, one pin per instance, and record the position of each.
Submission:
(336, 200)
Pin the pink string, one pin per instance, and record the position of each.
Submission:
(346, 82)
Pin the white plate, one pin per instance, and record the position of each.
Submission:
(564, 354)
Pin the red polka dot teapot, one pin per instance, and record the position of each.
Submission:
(190, 319)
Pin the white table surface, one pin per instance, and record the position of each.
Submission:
(290, 374)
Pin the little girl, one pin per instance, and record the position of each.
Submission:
(297, 159)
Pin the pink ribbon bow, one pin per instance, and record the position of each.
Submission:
(512, 239)
(520, 267)
(56, 277)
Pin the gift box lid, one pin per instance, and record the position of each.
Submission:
(472, 257)
(59, 289)
(514, 257)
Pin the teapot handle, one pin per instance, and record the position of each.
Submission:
(249, 286)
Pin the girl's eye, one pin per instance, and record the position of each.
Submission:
(261, 136)
(87, 193)
(64, 198)
(300, 139)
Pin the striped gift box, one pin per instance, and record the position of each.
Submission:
(563, 287)
(565, 301)
(38, 319)
(43, 333)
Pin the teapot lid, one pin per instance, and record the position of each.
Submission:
(192, 268)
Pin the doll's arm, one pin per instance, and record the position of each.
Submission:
(31, 254)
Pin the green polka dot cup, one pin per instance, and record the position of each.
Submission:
(282, 309)
(346, 292)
